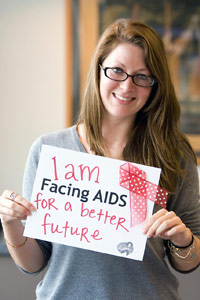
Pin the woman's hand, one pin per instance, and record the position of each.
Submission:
(168, 226)
(25, 252)
(14, 209)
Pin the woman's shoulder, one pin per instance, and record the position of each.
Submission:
(59, 137)
(63, 138)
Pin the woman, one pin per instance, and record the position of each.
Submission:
(129, 112)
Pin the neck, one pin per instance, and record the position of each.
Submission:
(115, 135)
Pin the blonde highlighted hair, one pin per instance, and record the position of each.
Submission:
(155, 139)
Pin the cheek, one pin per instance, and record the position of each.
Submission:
(106, 86)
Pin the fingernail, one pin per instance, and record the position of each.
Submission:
(33, 208)
(148, 235)
(144, 230)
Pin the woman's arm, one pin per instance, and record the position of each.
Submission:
(184, 247)
(25, 252)
(180, 221)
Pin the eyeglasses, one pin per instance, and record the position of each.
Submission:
(117, 74)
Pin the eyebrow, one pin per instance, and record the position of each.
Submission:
(140, 70)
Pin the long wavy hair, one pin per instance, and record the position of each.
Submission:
(155, 139)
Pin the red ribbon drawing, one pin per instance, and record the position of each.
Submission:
(141, 190)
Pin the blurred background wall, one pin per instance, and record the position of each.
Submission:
(32, 79)
(32, 100)
(45, 50)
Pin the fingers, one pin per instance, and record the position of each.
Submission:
(18, 199)
(164, 224)
(167, 225)
(13, 206)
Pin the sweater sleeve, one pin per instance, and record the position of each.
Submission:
(185, 202)
(28, 181)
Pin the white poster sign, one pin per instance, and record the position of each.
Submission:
(80, 202)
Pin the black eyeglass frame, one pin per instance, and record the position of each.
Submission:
(127, 76)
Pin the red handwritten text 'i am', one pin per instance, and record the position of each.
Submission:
(78, 173)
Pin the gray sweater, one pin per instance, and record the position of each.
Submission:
(74, 274)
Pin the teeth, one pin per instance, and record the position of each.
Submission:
(122, 98)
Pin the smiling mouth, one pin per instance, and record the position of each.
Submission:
(123, 98)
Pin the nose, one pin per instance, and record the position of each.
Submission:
(127, 84)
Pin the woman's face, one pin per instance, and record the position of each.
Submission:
(122, 100)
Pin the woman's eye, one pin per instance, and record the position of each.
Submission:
(142, 76)
(117, 70)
